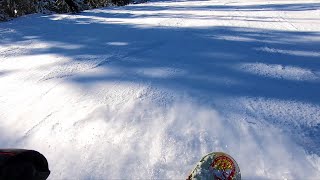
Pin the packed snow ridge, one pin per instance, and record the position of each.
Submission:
(144, 91)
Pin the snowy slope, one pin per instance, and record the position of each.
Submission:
(144, 91)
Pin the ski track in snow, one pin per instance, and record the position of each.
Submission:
(144, 91)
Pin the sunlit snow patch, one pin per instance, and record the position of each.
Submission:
(290, 52)
(278, 71)
(160, 72)
(117, 43)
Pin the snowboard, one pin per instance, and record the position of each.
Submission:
(217, 166)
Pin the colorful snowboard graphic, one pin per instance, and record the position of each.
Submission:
(218, 166)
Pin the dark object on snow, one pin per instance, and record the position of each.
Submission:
(73, 6)
(16, 164)
(120, 2)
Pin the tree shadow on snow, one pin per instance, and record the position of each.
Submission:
(228, 7)
(232, 61)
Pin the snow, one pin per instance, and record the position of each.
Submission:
(145, 90)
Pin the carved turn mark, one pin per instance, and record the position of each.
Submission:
(34, 128)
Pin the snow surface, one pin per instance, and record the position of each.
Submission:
(144, 91)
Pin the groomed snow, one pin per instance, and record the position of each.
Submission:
(144, 91)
